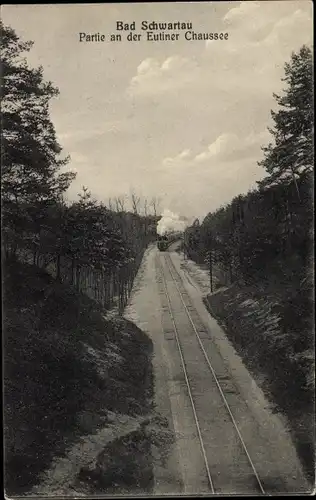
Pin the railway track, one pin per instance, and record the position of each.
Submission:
(229, 468)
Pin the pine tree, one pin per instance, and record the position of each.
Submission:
(31, 156)
(291, 154)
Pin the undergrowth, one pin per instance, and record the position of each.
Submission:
(271, 326)
(62, 360)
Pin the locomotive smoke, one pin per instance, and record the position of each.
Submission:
(170, 223)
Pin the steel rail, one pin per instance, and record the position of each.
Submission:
(209, 477)
(167, 260)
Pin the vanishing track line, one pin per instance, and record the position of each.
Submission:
(187, 304)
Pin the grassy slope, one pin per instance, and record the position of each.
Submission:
(63, 361)
(271, 327)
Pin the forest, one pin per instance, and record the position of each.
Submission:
(259, 241)
(269, 230)
(95, 247)
(264, 236)
(66, 264)
(258, 249)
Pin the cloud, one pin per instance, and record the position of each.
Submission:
(254, 26)
(86, 133)
(295, 26)
(178, 159)
(226, 147)
(237, 14)
(262, 36)
(153, 77)
(231, 147)
(218, 148)
(226, 167)
(178, 120)
(198, 124)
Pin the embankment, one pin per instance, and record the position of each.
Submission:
(70, 373)
(271, 328)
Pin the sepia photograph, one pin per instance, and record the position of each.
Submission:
(157, 215)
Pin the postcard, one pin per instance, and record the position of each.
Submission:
(157, 249)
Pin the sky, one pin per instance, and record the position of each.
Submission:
(182, 121)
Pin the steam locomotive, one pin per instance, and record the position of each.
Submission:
(162, 242)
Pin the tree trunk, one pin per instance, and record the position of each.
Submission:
(78, 278)
(230, 271)
(58, 267)
(73, 272)
(295, 184)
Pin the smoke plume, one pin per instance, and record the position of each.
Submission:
(170, 223)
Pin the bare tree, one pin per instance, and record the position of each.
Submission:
(110, 204)
(146, 207)
(155, 203)
(135, 199)
(120, 203)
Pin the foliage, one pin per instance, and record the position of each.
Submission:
(291, 153)
(260, 244)
(30, 157)
(50, 378)
(269, 230)
(83, 243)
(55, 342)
(31, 153)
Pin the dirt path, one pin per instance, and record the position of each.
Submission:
(143, 309)
(61, 479)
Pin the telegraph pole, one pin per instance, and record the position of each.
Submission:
(211, 265)
(211, 271)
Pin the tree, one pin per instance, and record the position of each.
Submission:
(291, 154)
(95, 248)
(155, 203)
(120, 203)
(145, 207)
(135, 200)
(31, 155)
